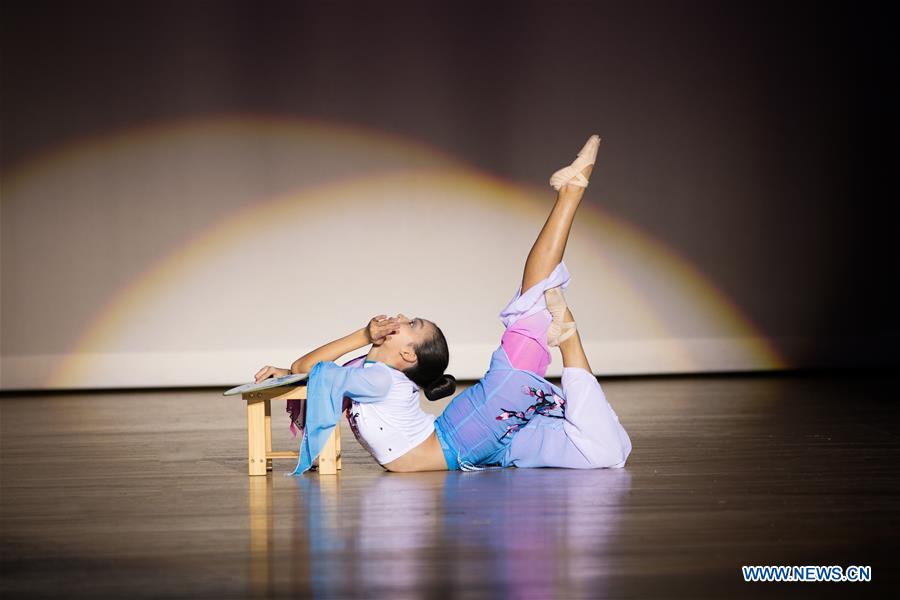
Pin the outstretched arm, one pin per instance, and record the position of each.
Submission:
(374, 333)
(332, 350)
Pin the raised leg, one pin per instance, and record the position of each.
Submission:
(525, 339)
(550, 245)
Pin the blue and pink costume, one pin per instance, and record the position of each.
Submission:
(512, 416)
(515, 417)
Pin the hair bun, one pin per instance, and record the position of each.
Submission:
(441, 387)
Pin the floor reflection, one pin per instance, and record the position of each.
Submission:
(525, 533)
(533, 533)
(262, 537)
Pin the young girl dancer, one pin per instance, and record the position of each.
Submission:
(513, 416)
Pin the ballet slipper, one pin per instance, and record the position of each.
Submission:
(559, 330)
(569, 329)
(556, 303)
(558, 333)
(572, 174)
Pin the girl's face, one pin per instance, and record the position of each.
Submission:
(410, 334)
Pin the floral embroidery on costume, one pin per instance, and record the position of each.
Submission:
(354, 427)
(546, 403)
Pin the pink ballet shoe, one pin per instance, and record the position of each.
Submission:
(559, 330)
(573, 173)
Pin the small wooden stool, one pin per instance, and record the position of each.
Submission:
(259, 432)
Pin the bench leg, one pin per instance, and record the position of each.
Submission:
(328, 456)
(268, 404)
(256, 437)
(337, 446)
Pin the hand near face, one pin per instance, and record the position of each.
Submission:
(380, 328)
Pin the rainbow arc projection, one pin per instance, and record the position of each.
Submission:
(256, 239)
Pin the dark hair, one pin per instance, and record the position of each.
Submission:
(432, 358)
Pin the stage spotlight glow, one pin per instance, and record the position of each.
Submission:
(283, 233)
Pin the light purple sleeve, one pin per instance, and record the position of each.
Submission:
(590, 436)
(368, 384)
(355, 362)
(297, 408)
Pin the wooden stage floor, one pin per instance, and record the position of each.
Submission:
(145, 495)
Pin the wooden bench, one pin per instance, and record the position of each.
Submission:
(259, 432)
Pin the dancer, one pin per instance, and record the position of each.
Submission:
(513, 416)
